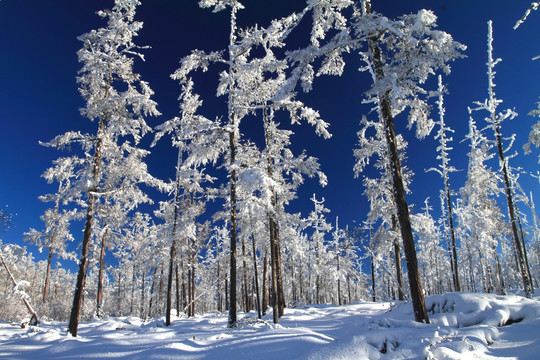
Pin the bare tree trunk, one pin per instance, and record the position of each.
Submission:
(247, 304)
(172, 253)
(226, 292)
(525, 252)
(48, 273)
(100, 274)
(509, 199)
(184, 291)
(192, 293)
(133, 283)
(143, 293)
(178, 291)
(160, 292)
(455, 275)
(258, 303)
(417, 296)
(397, 257)
(281, 293)
(372, 279)
(273, 266)
(151, 295)
(81, 276)
(349, 288)
(232, 272)
(172, 256)
(218, 294)
(500, 279)
(339, 279)
(265, 282)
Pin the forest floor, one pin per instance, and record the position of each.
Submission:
(463, 326)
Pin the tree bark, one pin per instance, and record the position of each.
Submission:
(48, 273)
(81, 275)
(100, 274)
(525, 256)
(258, 303)
(233, 234)
(178, 291)
(273, 267)
(372, 279)
(265, 282)
(457, 285)
(417, 296)
(247, 304)
(172, 253)
(510, 201)
(397, 257)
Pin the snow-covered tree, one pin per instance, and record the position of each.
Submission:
(480, 220)
(444, 169)
(494, 120)
(119, 100)
(401, 55)
(260, 86)
(56, 235)
(434, 264)
(379, 191)
(534, 135)
(317, 220)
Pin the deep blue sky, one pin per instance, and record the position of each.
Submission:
(39, 97)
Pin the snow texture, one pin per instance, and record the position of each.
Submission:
(463, 326)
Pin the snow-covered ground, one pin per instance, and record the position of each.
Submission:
(463, 326)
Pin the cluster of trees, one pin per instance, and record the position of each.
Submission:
(254, 253)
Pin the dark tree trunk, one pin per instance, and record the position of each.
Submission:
(372, 278)
(526, 257)
(160, 292)
(177, 291)
(509, 199)
(143, 292)
(417, 296)
(226, 293)
(275, 251)
(172, 256)
(455, 275)
(258, 298)
(172, 253)
(184, 291)
(265, 282)
(273, 266)
(218, 290)
(245, 283)
(233, 235)
(397, 257)
(48, 273)
(192, 281)
(151, 295)
(133, 285)
(100, 275)
(87, 235)
(339, 280)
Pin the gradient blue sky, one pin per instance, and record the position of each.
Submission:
(39, 97)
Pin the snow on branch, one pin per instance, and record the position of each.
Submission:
(534, 6)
